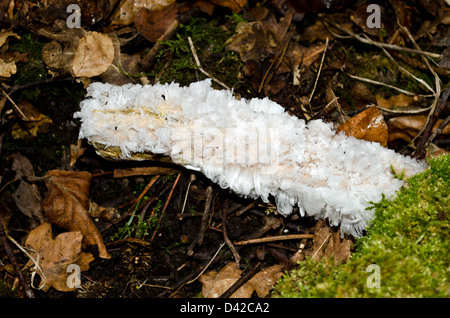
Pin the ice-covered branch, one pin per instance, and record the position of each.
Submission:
(252, 147)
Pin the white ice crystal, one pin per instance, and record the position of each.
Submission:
(250, 146)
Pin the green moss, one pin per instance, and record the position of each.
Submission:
(408, 241)
(34, 69)
(6, 291)
(176, 61)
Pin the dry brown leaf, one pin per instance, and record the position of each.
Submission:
(257, 40)
(34, 123)
(103, 213)
(66, 205)
(94, 55)
(128, 9)
(400, 100)
(368, 125)
(216, 283)
(55, 255)
(76, 151)
(27, 196)
(4, 35)
(234, 5)
(7, 68)
(153, 24)
(328, 242)
(407, 127)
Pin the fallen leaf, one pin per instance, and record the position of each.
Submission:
(7, 68)
(66, 205)
(27, 196)
(216, 283)
(33, 123)
(103, 213)
(407, 127)
(400, 100)
(93, 56)
(4, 35)
(128, 10)
(153, 24)
(257, 40)
(234, 5)
(368, 125)
(76, 151)
(55, 255)
(328, 242)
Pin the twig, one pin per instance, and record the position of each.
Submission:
(14, 104)
(204, 226)
(371, 81)
(275, 238)
(380, 44)
(320, 70)
(165, 206)
(197, 61)
(188, 279)
(13, 261)
(237, 258)
(278, 58)
(241, 281)
(138, 200)
(320, 247)
(426, 134)
(186, 195)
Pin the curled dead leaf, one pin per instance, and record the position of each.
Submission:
(27, 196)
(66, 205)
(54, 255)
(368, 125)
(94, 55)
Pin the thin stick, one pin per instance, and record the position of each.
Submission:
(165, 206)
(197, 61)
(321, 245)
(241, 281)
(204, 226)
(13, 261)
(320, 70)
(381, 44)
(138, 200)
(14, 104)
(237, 258)
(275, 238)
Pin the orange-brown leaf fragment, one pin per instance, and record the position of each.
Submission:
(153, 24)
(94, 55)
(234, 5)
(66, 205)
(368, 125)
(216, 283)
(54, 255)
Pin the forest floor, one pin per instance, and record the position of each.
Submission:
(160, 230)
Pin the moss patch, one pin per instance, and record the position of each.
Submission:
(176, 61)
(408, 242)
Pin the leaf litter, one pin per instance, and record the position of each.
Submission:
(310, 60)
